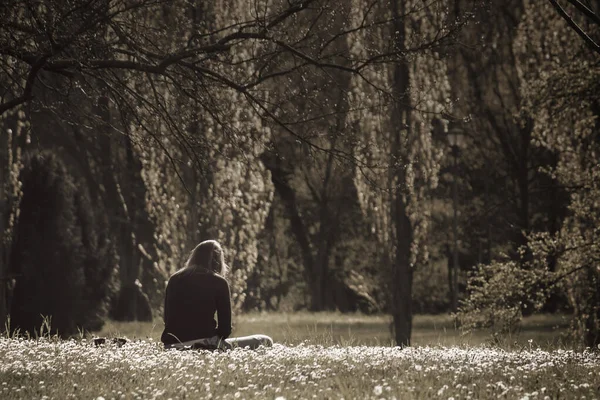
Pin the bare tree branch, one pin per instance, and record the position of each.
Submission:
(585, 10)
(588, 40)
(28, 91)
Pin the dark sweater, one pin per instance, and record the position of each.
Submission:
(191, 300)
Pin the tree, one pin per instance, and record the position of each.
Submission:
(93, 46)
(316, 187)
(12, 142)
(504, 193)
(397, 141)
(559, 85)
(277, 283)
(59, 263)
(564, 102)
(324, 217)
(196, 93)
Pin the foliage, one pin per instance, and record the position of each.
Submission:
(498, 292)
(181, 119)
(62, 269)
(589, 10)
(217, 188)
(193, 84)
(312, 170)
(562, 97)
(98, 265)
(559, 85)
(431, 289)
(504, 193)
(277, 282)
(393, 109)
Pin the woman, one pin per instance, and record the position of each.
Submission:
(193, 295)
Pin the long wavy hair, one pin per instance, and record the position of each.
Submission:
(207, 257)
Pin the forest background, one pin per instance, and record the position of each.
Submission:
(392, 157)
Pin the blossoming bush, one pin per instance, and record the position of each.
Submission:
(47, 368)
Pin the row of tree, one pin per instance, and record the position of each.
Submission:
(310, 138)
(549, 74)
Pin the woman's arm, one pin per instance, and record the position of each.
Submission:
(224, 311)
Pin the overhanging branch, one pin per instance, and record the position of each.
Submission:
(588, 40)
(585, 10)
(28, 90)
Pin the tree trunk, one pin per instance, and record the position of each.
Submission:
(323, 281)
(592, 308)
(316, 298)
(3, 264)
(523, 182)
(116, 203)
(450, 277)
(143, 229)
(316, 268)
(3, 291)
(402, 273)
(288, 197)
(455, 265)
(402, 295)
(5, 211)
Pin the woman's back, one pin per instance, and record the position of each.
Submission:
(193, 296)
(191, 300)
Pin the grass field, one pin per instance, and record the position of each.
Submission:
(323, 356)
(546, 331)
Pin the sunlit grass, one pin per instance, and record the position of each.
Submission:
(329, 328)
(322, 356)
(48, 368)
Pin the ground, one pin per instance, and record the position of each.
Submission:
(546, 331)
(316, 356)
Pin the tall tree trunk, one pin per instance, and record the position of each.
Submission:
(132, 303)
(523, 182)
(324, 281)
(449, 262)
(3, 264)
(6, 139)
(288, 197)
(316, 268)
(592, 318)
(402, 273)
(403, 278)
(142, 236)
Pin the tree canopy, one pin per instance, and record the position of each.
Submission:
(312, 139)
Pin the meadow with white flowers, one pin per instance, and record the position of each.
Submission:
(50, 368)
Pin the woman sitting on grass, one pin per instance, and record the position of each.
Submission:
(194, 294)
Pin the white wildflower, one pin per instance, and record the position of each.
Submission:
(378, 390)
(442, 390)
